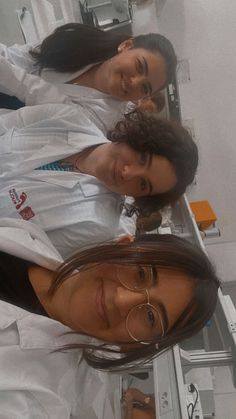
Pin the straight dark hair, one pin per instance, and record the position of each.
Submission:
(73, 46)
(147, 133)
(164, 251)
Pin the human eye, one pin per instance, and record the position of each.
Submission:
(151, 317)
(143, 185)
(141, 277)
(139, 66)
(145, 89)
(141, 274)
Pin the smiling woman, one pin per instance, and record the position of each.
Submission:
(129, 68)
(114, 305)
(132, 74)
(117, 68)
(142, 297)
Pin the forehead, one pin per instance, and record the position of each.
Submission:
(156, 67)
(161, 175)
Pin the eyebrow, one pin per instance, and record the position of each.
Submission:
(160, 306)
(154, 276)
(145, 66)
(146, 71)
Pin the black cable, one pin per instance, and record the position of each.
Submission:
(192, 405)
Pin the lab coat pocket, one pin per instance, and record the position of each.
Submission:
(6, 142)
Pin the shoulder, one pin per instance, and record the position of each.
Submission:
(58, 77)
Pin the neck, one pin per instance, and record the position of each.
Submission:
(88, 161)
(92, 78)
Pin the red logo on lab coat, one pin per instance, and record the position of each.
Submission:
(27, 213)
(19, 200)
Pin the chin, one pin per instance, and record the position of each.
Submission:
(117, 93)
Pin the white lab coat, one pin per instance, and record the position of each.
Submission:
(102, 109)
(36, 382)
(76, 210)
(29, 242)
(19, 55)
(40, 383)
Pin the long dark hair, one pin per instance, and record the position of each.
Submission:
(73, 46)
(147, 133)
(167, 251)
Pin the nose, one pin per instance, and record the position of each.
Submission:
(126, 299)
(133, 82)
(137, 79)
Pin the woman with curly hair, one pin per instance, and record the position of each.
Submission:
(63, 174)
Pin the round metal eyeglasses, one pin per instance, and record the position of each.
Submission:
(143, 321)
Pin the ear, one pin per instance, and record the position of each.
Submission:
(127, 238)
(125, 45)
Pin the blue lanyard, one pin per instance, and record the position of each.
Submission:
(58, 166)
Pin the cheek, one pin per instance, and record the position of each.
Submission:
(136, 95)
(130, 188)
(118, 333)
(131, 346)
(80, 313)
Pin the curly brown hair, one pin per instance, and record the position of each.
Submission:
(146, 133)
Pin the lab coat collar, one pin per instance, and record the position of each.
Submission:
(53, 76)
(9, 314)
(65, 179)
(62, 81)
(27, 241)
(46, 154)
(76, 142)
(35, 331)
(76, 92)
(81, 140)
(90, 185)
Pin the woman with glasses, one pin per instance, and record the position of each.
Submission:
(125, 302)
(100, 70)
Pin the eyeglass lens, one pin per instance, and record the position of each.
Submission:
(143, 323)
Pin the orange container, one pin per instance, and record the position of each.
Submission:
(204, 214)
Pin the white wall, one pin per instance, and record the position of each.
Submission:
(204, 32)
